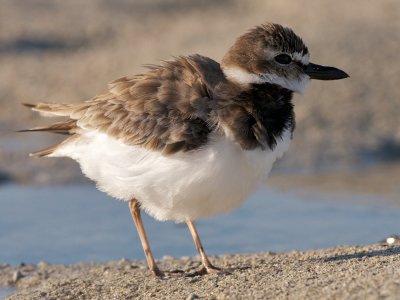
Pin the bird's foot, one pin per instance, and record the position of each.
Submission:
(157, 272)
(209, 269)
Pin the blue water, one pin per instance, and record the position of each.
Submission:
(78, 223)
(5, 292)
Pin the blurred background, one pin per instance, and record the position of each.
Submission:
(347, 139)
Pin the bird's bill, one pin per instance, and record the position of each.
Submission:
(324, 73)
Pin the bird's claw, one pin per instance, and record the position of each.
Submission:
(209, 270)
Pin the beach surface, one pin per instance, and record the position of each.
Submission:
(367, 272)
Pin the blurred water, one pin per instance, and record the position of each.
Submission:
(78, 223)
(5, 292)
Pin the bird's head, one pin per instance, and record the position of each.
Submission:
(274, 54)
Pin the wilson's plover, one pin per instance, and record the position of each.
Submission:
(190, 138)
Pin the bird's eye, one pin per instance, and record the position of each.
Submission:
(283, 59)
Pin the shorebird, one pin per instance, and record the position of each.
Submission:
(190, 138)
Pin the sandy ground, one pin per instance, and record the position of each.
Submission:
(368, 272)
(66, 51)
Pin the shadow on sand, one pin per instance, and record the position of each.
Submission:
(391, 250)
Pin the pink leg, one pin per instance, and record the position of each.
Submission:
(134, 207)
(207, 266)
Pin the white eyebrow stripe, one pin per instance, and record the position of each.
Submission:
(304, 59)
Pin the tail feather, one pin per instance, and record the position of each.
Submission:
(52, 109)
(68, 126)
(49, 150)
(65, 127)
(45, 151)
(30, 105)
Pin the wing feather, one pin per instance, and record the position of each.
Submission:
(166, 109)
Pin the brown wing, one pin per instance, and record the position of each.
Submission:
(166, 109)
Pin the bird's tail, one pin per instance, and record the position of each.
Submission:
(67, 127)
(52, 109)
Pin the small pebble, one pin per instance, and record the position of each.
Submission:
(393, 239)
(42, 264)
(192, 296)
(127, 267)
(17, 275)
(185, 258)
(194, 279)
(122, 261)
(134, 266)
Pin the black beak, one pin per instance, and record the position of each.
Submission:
(324, 73)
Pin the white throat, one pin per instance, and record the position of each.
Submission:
(240, 76)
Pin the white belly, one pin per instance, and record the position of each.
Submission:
(191, 185)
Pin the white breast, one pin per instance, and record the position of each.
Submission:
(189, 185)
